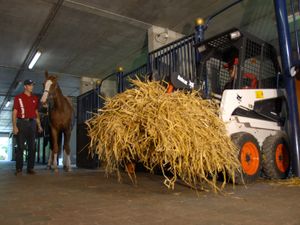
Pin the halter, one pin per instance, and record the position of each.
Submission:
(47, 95)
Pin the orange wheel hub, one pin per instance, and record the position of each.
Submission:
(250, 158)
(282, 158)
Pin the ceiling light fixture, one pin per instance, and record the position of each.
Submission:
(7, 103)
(34, 59)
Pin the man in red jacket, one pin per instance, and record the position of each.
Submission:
(25, 119)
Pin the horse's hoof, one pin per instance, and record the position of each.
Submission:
(68, 169)
(56, 170)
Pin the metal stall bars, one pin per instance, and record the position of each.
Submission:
(175, 63)
(289, 64)
(138, 73)
(88, 105)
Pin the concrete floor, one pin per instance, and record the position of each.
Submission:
(88, 197)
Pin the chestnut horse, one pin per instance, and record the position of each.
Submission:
(60, 118)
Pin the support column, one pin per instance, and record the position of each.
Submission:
(289, 82)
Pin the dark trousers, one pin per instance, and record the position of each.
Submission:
(27, 130)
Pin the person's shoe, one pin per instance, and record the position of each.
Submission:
(31, 171)
(18, 172)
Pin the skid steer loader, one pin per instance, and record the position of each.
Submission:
(242, 73)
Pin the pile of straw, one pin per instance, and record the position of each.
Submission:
(178, 132)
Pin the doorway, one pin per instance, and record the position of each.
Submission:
(5, 148)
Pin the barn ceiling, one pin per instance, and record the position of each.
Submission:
(91, 37)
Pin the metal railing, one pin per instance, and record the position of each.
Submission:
(178, 56)
(139, 73)
(89, 102)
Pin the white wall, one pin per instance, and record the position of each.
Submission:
(87, 83)
(159, 36)
(108, 87)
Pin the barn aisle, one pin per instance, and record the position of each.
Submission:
(88, 197)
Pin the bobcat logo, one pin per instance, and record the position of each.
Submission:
(239, 98)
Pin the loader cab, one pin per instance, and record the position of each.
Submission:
(236, 60)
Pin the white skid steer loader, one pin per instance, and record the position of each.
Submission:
(242, 73)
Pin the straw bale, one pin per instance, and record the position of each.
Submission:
(177, 132)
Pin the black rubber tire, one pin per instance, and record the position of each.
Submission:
(270, 167)
(240, 139)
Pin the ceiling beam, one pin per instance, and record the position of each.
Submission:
(107, 14)
(49, 20)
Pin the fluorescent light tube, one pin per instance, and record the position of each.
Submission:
(34, 60)
(7, 104)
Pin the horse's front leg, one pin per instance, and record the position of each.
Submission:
(50, 160)
(54, 134)
(67, 150)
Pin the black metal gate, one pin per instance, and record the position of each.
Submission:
(87, 105)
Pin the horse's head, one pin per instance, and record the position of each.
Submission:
(49, 84)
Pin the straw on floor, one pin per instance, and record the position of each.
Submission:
(290, 182)
(177, 132)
